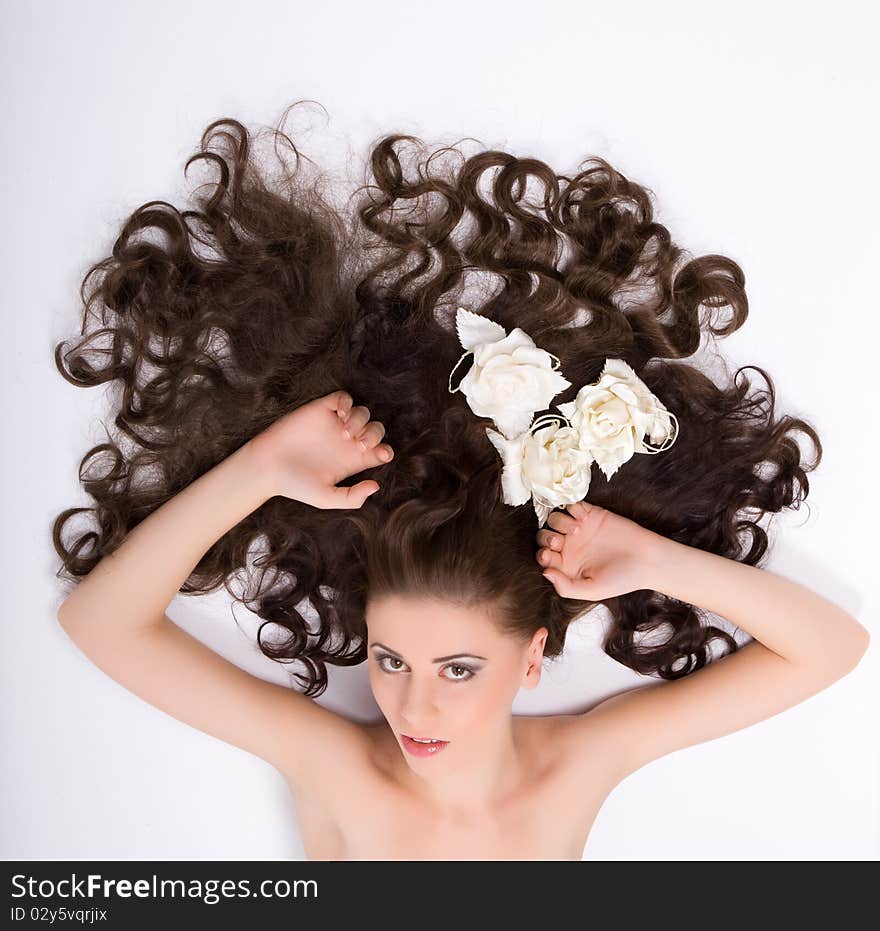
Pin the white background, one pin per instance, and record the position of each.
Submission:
(753, 124)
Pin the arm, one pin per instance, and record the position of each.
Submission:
(129, 589)
(787, 618)
(803, 643)
(116, 617)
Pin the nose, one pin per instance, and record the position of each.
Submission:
(418, 706)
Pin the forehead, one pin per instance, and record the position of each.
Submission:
(425, 626)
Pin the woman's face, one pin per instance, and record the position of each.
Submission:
(443, 671)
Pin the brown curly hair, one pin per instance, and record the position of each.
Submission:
(267, 296)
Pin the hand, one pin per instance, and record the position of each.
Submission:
(309, 450)
(593, 553)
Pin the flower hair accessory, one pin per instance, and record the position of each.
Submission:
(550, 460)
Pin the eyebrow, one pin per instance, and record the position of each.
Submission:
(440, 659)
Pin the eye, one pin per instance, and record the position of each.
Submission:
(463, 672)
(470, 672)
(392, 659)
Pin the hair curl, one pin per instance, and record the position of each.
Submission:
(288, 301)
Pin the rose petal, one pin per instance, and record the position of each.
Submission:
(661, 427)
(625, 393)
(513, 487)
(504, 346)
(513, 423)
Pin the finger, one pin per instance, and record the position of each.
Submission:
(341, 402)
(371, 434)
(568, 587)
(579, 509)
(375, 453)
(550, 539)
(353, 496)
(357, 420)
(549, 559)
(561, 521)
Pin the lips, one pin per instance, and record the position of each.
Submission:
(423, 749)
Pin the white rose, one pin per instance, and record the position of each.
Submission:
(612, 415)
(547, 465)
(510, 378)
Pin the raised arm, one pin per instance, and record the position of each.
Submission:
(802, 642)
(116, 615)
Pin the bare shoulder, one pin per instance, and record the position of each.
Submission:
(324, 787)
(358, 764)
(338, 754)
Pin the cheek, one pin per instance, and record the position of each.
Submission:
(387, 692)
(476, 703)
(492, 697)
(379, 687)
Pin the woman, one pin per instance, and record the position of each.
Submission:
(426, 560)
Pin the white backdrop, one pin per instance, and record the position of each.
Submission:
(752, 124)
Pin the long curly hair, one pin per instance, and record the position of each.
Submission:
(268, 296)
